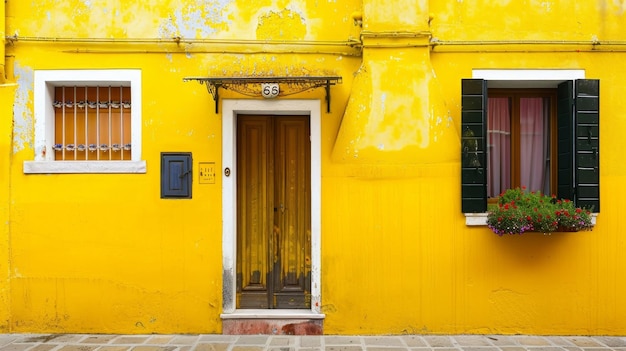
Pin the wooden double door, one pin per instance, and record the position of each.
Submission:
(273, 212)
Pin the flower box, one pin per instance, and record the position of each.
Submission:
(519, 211)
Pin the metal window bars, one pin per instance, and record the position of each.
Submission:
(92, 123)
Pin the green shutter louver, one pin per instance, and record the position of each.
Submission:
(587, 143)
(473, 145)
(565, 133)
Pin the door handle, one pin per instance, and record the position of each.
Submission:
(184, 174)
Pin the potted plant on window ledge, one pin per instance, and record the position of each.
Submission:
(519, 211)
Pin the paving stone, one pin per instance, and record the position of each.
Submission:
(383, 340)
(439, 341)
(247, 348)
(310, 341)
(572, 348)
(479, 348)
(414, 341)
(512, 348)
(501, 340)
(531, 340)
(559, 341)
(153, 348)
(472, 340)
(385, 348)
(15, 347)
(545, 348)
(343, 348)
(43, 347)
(217, 338)
(32, 338)
(212, 347)
(98, 339)
(160, 339)
(342, 340)
(67, 338)
(611, 341)
(185, 340)
(114, 348)
(583, 341)
(77, 348)
(251, 340)
(281, 341)
(7, 339)
(130, 340)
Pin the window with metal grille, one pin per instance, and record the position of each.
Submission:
(87, 121)
(92, 123)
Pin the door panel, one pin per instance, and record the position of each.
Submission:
(292, 192)
(253, 236)
(273, 212)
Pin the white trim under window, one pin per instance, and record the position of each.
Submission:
(43, 95)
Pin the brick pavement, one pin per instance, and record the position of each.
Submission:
(213, 342)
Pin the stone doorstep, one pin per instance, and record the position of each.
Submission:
(272, 326)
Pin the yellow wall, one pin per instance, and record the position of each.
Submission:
(103, 253)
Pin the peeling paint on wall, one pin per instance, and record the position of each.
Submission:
(286, 24)
(22, 115)
(195, 20)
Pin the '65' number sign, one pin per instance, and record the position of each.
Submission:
(270, 90)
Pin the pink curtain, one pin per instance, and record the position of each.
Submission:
(499, 146)
(534, 145)
(533, 140)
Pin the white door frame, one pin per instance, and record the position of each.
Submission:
(230, 109)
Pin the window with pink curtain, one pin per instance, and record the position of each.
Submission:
(524, 121)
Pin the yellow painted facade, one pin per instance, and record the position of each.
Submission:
(103, 253)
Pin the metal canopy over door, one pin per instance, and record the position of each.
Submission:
(273, 212)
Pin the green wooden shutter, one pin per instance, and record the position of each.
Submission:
(473, 144)
(565, 133)
(587, 150)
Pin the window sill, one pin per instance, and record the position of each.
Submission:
(48, 167)
(480, 219)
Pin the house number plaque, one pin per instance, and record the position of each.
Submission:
(270, 90)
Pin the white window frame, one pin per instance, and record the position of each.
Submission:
(520, 78)
(43, 95)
